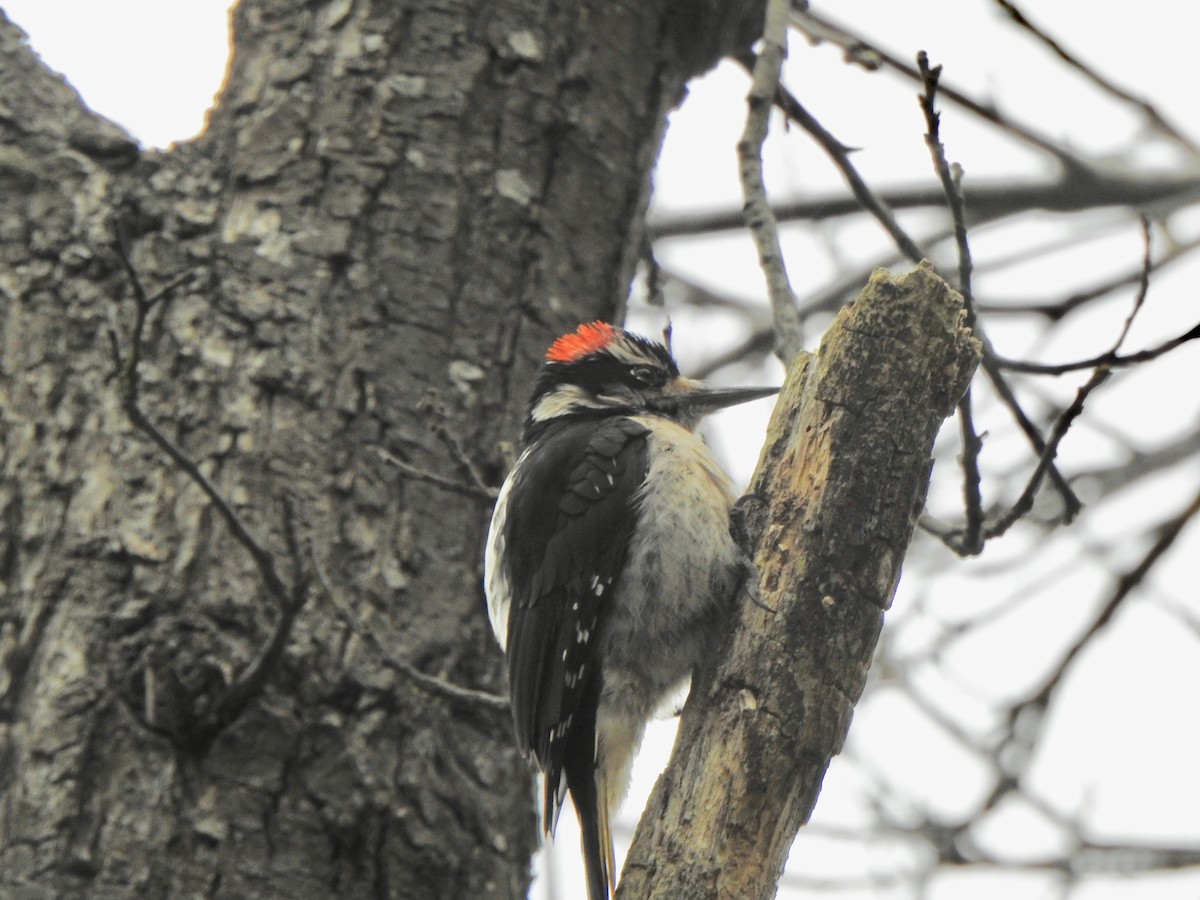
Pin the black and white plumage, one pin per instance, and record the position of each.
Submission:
(609, 565)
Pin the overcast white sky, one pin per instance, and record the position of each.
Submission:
(153, 66)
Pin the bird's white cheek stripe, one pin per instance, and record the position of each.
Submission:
(563, 400)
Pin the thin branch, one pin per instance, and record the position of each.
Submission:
(840, 155)
(438, 418)
(953, 537)
(1117, 475)
(1168, 533)
(1111, 359)
(1073, 191)
(824, 29)
(655, 277)
(1071, 504)
(1046, 460)
(972, 446)
(129, 388)
(951, 178)
(251, 680)
(1152, 114)
(833, 297)
(417, 474)
(432, 684)
(696, 295)
(758, 344)
(1056, 310)
(789, 329)
(1143, 285)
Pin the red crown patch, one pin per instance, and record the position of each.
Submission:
(589, 338)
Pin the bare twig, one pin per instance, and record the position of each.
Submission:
(1074, 191)
(129, 388)
(789, 334)
(1109, 359)
(1112, 358)
(1138, 464)
(1168, 532)
(824, 29)
(1156, 119)
(757, 345)
(951, 178)
(972, 446)
(954, 538)
(1143, 285)
(252, 679)
(1046, 460)
(655, 277)
(1071, 504)
(460, 487)
(478, 486)
(840, 155)
(1059, 309)
(430, 683)
(289, 600)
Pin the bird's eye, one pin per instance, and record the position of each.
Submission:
(645, 374)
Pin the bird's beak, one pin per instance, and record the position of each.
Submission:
(698, 399)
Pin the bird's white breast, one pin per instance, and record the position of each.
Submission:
(682, 565)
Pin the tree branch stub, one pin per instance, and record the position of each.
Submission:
(844, 472)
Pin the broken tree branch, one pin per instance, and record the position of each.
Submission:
(844, 473)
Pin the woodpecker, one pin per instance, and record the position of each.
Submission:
(609, 566)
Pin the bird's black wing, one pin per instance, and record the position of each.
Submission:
(570, 517)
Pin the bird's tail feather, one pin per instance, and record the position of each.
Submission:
(604, 827)
(595, 831)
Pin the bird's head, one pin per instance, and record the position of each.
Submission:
(601, 370)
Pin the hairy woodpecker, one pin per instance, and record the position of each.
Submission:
(609, 565)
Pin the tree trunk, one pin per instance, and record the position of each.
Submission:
(349, 280)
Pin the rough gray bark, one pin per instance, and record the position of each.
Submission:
(842, 479)
(395, 206)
